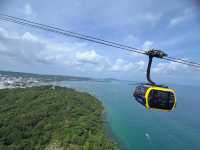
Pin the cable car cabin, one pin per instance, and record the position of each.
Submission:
(156, 97)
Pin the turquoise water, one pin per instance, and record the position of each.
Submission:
(140, 129)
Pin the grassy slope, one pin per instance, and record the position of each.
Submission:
(46, 118)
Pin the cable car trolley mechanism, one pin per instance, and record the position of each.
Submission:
(152, 95)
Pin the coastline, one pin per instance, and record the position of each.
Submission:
(87, 112)
(111, 134)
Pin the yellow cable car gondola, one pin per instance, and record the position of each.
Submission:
(155, 96)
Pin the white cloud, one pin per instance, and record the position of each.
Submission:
(187, 14)
(26, 48)
(3, 32)
(141, 65)
(89, 57)
(2, 47)
(124, 66)
(28, 10)
(152, 18)
(120, 65)
(176, 20)
(32, 50)
(148, 45)
(131, 40)
(169, 68)
(29, 37)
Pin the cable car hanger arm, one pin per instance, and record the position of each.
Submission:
(153, 53)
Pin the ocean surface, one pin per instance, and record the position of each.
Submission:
(136, 128)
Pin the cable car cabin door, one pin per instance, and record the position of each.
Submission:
(160, 98)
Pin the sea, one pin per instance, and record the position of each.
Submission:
(135, 128)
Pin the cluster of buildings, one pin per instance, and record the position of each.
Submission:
(7, 81)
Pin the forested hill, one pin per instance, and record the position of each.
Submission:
(51, 118)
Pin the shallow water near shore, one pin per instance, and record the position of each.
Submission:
(133, 127)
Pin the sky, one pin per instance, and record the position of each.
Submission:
(172, 26)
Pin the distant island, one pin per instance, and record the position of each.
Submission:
(51, 118)
(10, 79)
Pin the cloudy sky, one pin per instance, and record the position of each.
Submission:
(172, 26)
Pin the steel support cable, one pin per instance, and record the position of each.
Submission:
(88, 38)
(74, 33)
(184, 60)
(67, 34)
(184, 63)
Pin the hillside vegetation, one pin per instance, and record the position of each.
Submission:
(51, 118)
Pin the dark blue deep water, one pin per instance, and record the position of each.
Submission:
(136, 128)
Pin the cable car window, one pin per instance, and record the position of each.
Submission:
(142, 91)
(140, 94)
(161, 99)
